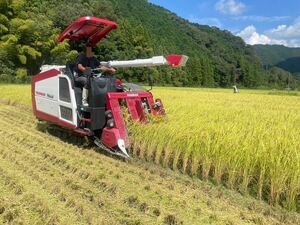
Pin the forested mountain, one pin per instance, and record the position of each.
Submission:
(29, 30)
(280, 56)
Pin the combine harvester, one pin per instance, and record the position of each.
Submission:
(56, 98)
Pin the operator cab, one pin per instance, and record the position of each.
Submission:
(89, 30)
(99, 83)
(99, 87)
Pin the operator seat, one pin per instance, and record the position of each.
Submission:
(71, 73)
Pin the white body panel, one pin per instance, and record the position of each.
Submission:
(72, 105)
(45, 68)
(46, 106)
(47, 97)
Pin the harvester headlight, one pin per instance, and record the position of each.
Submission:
(110, 123)
(108, 114)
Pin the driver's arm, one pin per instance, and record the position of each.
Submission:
(81, 67)
(80, 62)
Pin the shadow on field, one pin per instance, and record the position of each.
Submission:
(70, 137)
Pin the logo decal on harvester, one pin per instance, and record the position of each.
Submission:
(50, 96)
(44, 94)
(40, 93)
(132, 95)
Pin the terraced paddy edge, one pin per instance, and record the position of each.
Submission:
(45, 180)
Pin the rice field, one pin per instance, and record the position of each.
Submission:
(247, 142)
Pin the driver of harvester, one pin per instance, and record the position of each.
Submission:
(82, 62)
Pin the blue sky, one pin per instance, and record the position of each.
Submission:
(257, 22)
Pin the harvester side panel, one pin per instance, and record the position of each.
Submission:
(47, 102)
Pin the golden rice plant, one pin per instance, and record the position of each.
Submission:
(249, 141)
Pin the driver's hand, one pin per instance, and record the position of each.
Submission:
(113, 70)
(108, 69)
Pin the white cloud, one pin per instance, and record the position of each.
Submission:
(252, 37)
(261, 19)
(230, 7)
(207, 21)
(280, 28)
(288, 32)
(288, 35)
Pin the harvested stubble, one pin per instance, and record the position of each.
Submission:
(248, 141)
(45, 180)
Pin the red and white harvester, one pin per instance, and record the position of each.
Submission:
(56, 98)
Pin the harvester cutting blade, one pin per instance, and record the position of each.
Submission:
(120, 151)
(121, 146)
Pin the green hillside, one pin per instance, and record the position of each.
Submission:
(217, 58)
(29, 31)
(280, 56)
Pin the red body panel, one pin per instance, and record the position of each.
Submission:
(110, 137)
(90, 29)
